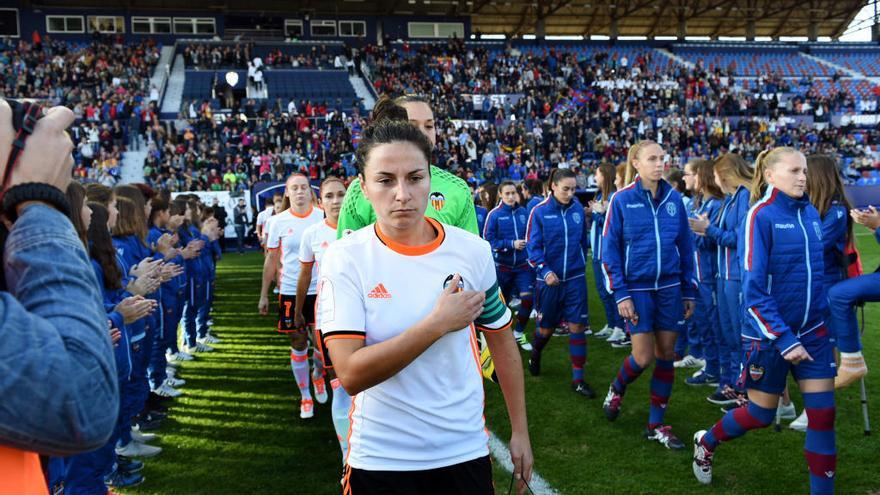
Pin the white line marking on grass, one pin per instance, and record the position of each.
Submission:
(501, 453)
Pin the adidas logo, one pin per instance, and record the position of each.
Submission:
(379, 292)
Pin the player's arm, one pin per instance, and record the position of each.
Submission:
(306, 263)
(270, 268)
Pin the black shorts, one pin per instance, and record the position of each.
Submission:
(468, 478)
(286, 307)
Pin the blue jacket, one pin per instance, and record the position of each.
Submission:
(131, 251)
(481, 218)
(783, 288)
(195, 271)
(706, 252)
(727, 231)
(556, 239)
(176, 287)
(503, 226)
(112, 297)
(62, 397)
(532, 203)
(642, 241)
(834, 230)
(598, 221)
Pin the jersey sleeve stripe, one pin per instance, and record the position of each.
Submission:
(501, 324)
(328, 338)
(343, 333)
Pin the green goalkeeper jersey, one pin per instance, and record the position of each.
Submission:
(450, 203)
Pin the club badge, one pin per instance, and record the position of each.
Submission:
(756, 372)
(438, 200)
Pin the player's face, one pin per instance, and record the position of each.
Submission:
(649, 163)
(397, 183)
(789, 175)
(690, 178)
(299, 192)
(563, 190)
(112, 213)
(174, 222)
(421, 116)
(332, 195)
(509, 195)
(86, 215)
(618, 181)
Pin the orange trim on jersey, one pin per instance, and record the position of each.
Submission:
(301, 262)
(328, 338)
(350, 430)
(333, 226)
(475, 350)
(493, 330)
(414, 250)
(306, 214)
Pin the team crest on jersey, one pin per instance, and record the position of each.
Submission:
(449, 279)
(818, 230)
(671, 209)
(522, 218)
(438, 200)
(756, 372)
(576, 217)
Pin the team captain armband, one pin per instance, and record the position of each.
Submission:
(495, 316)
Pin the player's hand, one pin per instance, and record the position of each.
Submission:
(134, 308)
(456, 308)
(115, 336)
(146, 268)
(699, 224)
(263, 305)
(627, 311)
(798, 354)
(868, 217)
(169, 271)
(521, 456)
(519, 244)
(597, 206)
(689, 306)
(299, 321)
(551, 279)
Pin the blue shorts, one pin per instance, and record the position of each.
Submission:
(766, 370)
(568, 301)
(657, 309)
(515, 281)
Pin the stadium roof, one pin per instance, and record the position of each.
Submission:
(649, 18)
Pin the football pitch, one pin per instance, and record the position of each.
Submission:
(237, 429)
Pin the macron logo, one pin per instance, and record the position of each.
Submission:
(635, 205)
(784, 225)
(379, 292)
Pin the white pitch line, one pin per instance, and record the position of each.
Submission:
(501, 453)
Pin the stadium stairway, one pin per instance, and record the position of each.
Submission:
(174, 91)
(132, 169)
(163, 68)
(360, 88)
(253, 93)
(675, 58)
(839, 68)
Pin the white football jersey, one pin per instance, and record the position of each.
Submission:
(285, 234)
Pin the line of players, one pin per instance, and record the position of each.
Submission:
(662, 261)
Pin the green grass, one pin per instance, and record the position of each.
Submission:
(237, 429)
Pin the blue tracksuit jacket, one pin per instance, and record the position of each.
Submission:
(503, 226)
(557, 240)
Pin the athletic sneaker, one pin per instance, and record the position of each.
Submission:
(702, 378)
(800, 424)
(786, 412)
(120, 479)
(561, 331)
(617, 334)
(723, 397)
(320, 389)
(199, 347)
(175, 382)
(138, 436)
(702, 459)
(523, 341)
(170, 371)
(137, 449)
(741, 401)
(166, 390)
(625, 342)
(535, 366)
(612, 404)
(128, 465)
(306, 408)
(664, 435)
(178, 356)
(583, 388)
(208, 339)
(604, 333)
(588, 332)
(690, 362)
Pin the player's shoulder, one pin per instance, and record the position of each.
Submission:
(464, 240)
(352, 241)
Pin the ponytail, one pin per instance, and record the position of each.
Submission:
(766, 159)
(631, 157)
(387, 109)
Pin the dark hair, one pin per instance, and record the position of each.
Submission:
(507, 183)
(535, 187)
(129, 221)
(99, 193)
(177, 207)
(826, 187)
(559, 174)
(76, 196)
(387, 109)
(390, 131)
(157, 205)
(147, 191)
(705, 172)
(609, 173)
(675, 178)
(489, 196)
(402, 100)
(195, 218)
(101, 247)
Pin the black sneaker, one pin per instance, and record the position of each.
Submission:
(584, 389)
(535, 365)
(625, 342)
(663, 434)
(741, 401)
(723, 397)
(128, 465)
(561, 331)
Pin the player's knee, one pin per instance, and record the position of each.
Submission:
(644, 358)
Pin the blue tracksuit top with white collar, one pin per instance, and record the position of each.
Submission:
(728, 231)
(834, 230)
(783, 287)
(706, 252)
(557, 240)
(596, 230)
(195, 271)
(481, 218)
(647, 243)
(503, 226)
(532, 203)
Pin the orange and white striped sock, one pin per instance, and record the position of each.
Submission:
(299, 362)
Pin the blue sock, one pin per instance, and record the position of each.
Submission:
(629, 371)
(577, 350)
(737, 422)
(820, 447)
(661, 389)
